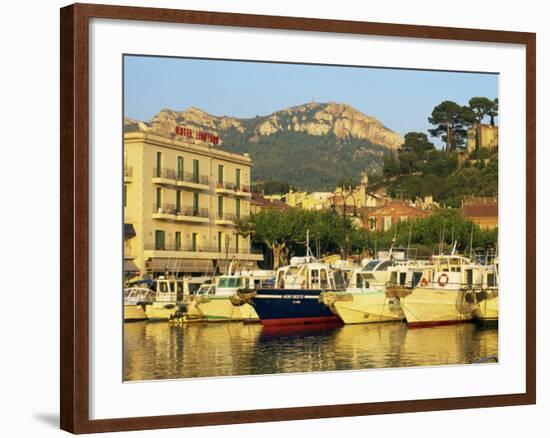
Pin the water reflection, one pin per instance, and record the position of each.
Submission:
(163, 351)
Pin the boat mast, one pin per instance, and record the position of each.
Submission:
(308, 249)
(409, 242)
(472, 241)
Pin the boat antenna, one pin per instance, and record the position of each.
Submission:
(410, 236)
(472, 241)
(308, 249)
(442, 240)
(453, 233)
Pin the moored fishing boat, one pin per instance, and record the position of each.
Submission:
(295, 297)
(365, 299)
(444, 294)
(172, 295)
(215, 302)
(487, 296)
(135, 300)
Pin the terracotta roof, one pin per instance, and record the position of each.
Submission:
(396, 207)
(480, 209)
(262, 202)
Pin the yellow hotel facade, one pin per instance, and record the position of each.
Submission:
(181, 198)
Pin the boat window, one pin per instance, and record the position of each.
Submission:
(324, 279)
(314, 278)
(340, 282)
(193, 288)
(163, 286)
(371, 265)
(359, 281)
(444, 265)
(230, 282)
(384, 266)
(416, 278)
(292, 270)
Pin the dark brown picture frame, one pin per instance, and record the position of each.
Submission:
(75, 232)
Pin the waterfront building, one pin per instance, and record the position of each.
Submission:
(357, 197)
(181, 199)
(482, 136)
(383, 218)
(259, 203)
(306, 200)
(482, 211)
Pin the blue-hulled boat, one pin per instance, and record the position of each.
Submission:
(294, 299)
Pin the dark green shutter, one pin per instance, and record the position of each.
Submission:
(195, 204)
(195, 171)
(180, 168)
(159, 198)
(159, 164)
(159, 239)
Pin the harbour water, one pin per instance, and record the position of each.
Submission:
(163, 351)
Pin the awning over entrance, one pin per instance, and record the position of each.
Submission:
(129, 231)
(181, 265)
(239, 265)
(130, 266)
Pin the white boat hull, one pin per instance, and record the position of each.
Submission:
(160, 311)
(487, 310)
(369, 307)
(221, 309)
(134, 312)
(430, 306)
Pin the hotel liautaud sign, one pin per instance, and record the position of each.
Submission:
(242, 243)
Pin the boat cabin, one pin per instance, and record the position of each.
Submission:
(308, 274)
(227, 285)
(453, 272)
(138, 295)
(177, 289)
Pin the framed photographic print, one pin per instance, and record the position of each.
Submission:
(273, 218)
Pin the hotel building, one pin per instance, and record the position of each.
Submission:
(181, 198)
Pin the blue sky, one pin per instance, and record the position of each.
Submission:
(401, 99)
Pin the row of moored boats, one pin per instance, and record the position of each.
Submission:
(446, 289)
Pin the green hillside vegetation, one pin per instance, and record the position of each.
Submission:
(305, 161)
(419, 169)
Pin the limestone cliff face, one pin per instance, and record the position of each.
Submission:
(165, 122)
(316, 119)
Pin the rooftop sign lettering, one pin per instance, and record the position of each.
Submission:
(198, 135)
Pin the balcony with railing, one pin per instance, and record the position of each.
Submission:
(243, 190)
(180, 179)
(190, 214)
(228, 218)
(220, 252)
(164, 211)
(193, 180)
(231, 188)
(225, 188)
(184, 214)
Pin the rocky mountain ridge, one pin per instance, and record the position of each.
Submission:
(316, 119)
